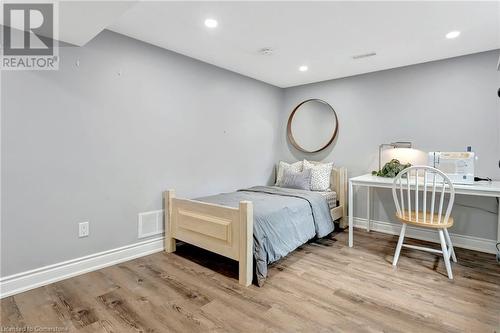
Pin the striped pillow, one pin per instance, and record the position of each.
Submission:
(295, 167)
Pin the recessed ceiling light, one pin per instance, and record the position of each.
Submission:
(453, 34)
(211, 23)
(303, 68)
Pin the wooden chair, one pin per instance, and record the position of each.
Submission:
(426, 179)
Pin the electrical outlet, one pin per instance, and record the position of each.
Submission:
(83, 229)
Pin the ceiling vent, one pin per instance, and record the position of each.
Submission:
(267, 51)
(365, 55)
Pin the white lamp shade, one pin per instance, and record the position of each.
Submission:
(405, 155)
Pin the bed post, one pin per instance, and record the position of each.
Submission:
(246, 243)
(342, 192)
(167, 209)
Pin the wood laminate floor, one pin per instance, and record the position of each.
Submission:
(324, 286)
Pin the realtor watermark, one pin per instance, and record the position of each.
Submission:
(29, 36)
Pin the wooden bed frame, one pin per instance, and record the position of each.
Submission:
(226, 230)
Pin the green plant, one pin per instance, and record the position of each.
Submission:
(391, 169)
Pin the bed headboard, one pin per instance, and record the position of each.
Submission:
(338, 183)
(338, 179)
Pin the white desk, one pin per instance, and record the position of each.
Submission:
(484, 189)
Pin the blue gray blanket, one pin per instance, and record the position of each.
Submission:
(284, 219)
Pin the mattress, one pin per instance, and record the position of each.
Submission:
(284, 219)
(331, 198)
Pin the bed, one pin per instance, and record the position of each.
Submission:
(257, 225)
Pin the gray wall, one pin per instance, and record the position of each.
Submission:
(85, 143)
(439, 106)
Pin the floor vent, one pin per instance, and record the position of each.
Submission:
(150, 223)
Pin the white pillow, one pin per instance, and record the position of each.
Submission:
(294, 167)
(320, 175)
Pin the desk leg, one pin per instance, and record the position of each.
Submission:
(368, 207)
(498, 224)
(351, 214)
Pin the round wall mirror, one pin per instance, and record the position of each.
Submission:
(312, 126)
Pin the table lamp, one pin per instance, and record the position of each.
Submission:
(397, 144)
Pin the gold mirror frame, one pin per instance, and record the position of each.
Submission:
(289, 127)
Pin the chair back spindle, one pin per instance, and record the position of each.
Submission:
(424, 179)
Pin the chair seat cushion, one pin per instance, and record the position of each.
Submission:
(430, 221)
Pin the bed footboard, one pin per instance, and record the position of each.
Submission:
(224, 230)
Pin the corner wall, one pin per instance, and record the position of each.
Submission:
(443, 105)
(99, 142)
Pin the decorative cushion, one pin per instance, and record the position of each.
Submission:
(320, 175)
(298, 180)
(295, 167)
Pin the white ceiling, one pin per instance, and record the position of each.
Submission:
(322, 35)
(80, 21)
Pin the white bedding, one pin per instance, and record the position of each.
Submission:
(331, 198)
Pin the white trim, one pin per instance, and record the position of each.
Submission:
(20, 282)
(466, 242)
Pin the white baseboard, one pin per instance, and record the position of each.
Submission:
(466, 242)
(17, 283)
